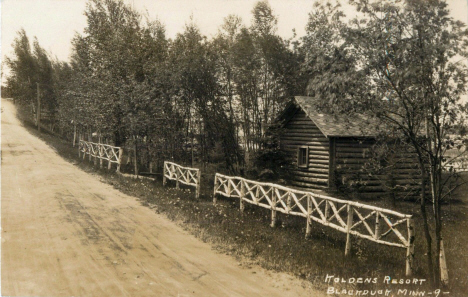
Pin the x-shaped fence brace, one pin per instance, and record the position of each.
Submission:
(186, 175)
(369, 222)
(111, 154)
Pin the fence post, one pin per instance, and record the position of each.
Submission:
(377, 225)
(197, 191)
(120, 159)
(410, 247)
(85, 149)
(242, 194)
(38, 112)
(348, 229)
(135, 155)
(273, 209)
(164, 174)
(100, 155)
(74, 133)
(309, 214)
(90, 146)
(443, 265)
(257, 192)
(215, 188)
(327, 210)
(177, 170)
(109, 163)
(96, 155)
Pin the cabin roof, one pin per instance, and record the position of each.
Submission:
(334, 125)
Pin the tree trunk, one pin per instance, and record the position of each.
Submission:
(135, 154)
(427, 234)
(74, 134)
(436, 181)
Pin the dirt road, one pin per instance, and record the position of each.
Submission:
(65, 233)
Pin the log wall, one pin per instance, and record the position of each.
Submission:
(401, 181)
(301, 131)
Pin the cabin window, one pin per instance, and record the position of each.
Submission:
(302, 157)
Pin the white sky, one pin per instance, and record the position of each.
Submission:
(54, 22)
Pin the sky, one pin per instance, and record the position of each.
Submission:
(55, 22)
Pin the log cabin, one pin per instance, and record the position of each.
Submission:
(329, 151)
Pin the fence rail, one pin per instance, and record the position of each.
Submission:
(111, 154)
(369, 222)
(186, 175)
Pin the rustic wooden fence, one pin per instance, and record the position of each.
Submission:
(369, 222)
(185, 175)
(111, 154)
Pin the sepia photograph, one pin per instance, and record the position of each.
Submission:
(234, 148)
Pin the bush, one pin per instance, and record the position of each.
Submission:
(272, 163)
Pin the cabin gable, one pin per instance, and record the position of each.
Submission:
(300, 135)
